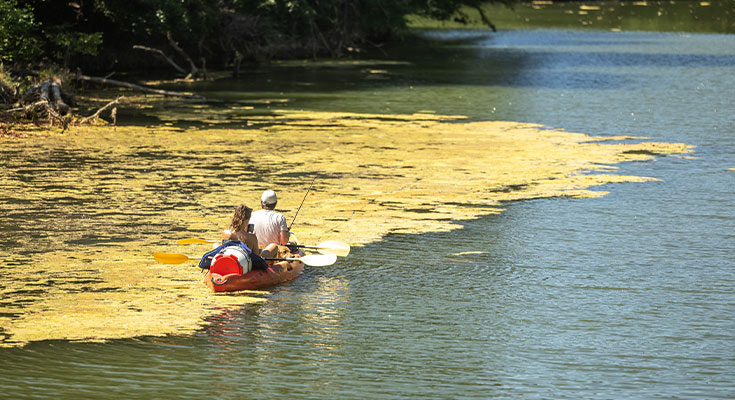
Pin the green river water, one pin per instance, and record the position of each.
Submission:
(624, 290)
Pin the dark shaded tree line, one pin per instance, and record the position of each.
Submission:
(43, 40)
(189, 35)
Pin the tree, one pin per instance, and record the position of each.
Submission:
(97, 34)
(18, 41)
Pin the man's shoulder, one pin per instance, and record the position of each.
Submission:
(270, 214)
(258, 214)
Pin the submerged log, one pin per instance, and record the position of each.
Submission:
(112, 82)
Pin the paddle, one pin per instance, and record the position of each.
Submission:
(336, 247)
(312, 260)
(173, 258)
(195, 240)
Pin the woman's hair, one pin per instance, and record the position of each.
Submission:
(242, 214)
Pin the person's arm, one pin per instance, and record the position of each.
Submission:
(284, 234)
(252, 242)
(284, 237)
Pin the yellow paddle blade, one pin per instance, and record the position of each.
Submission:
(172, 258)
(335, 247)
(194, 240)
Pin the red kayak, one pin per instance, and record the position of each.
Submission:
(277, 272)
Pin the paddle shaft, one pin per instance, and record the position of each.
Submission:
(304, 246)
(341, 249)
(315, 260)
(329, 247)
(311, 260)
(266, 259)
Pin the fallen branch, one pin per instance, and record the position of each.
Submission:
(27, 108)
(163, 55)
(113, 82)
(97, 114)
(194, 72)
(485, 19)
(62, 119)
(40, 108)
(46, 100)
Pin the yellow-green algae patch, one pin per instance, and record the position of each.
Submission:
(119, 295)
(118, 195)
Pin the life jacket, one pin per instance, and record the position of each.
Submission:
(231, 257)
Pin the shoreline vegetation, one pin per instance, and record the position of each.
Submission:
(44, 48)
(96, 39)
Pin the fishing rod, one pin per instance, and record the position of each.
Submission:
(302, 203)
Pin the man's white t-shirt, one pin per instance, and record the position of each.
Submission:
(267, 226)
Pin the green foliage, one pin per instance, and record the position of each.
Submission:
(70, 43)
(143, 21)
(78, 42)
(86, 33)
(5, 78)
(17, 37)
(45, 74)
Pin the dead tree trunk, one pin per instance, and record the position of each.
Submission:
(50, 92)
(47, 100)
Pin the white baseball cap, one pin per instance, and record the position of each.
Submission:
(268, 197)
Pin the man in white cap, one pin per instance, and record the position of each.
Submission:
(268, 225)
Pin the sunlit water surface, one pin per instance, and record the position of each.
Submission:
(629, 295)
